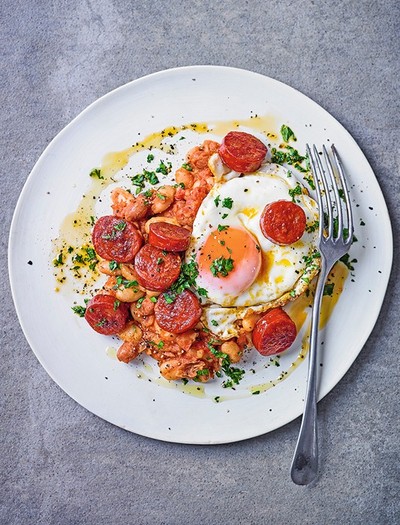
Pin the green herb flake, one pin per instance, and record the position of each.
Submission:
(222, 228)
(227, 203)
(163, 168)
(214, 322)
(234, 374)
(349, 263)
(221, 266)
(116, 304)
(297, 190)
(328, 289)
(113, 265)
(217, 200)
(287, 133)
(187, 166)
(310, 182)
(150, 157)
(96, 174)
(140, 301)
(79, 310)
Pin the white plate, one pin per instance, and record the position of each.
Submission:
(75, 357)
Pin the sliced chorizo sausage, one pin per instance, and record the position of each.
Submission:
(169, 237)
(156, 269)
(180, 315)
(283, 222)
(106, 315)
(274, 332)
(242, 152)
(116, 239)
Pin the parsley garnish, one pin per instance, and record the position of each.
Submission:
(227, 203)
(113, 265)
(310, 228)
(116, 304)
(118, 227)
(287, 133)
(187, 167)
(79, 310)
(150, 157)
(234, 374)
(120, 281)
(163, 168)
(222, 228)
(328, 289)
(217, 200)
(140, 179)
(187, 279)
(295, 191)
(346, 260)
(221, 266)
(59, 260)
(96, 174)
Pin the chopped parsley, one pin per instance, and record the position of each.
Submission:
(221, 266)
(328, 289)
(59, 260)
(96, 174)
(349, 263)
(116, 304)
(118, 227)
(234, 374)
(291, 156)
(113, 265)
(227, 203)
(310, 228)
(310, 181)
(187, 166)
(163, 168)
(222, 228)
(125, 283)
(217, 200)
(79, 310)
(297, 190)
(140, 179)
(187, 279)
(150, 157)
(287, 133)
(140, 301)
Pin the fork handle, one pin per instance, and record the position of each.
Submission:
(304, 467)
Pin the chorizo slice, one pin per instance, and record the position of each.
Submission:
(116, 239)
(274, 333)
(242, 152)
(180, 315)
(167, 236)
(283, 222)
(106, 315)
(156, 269)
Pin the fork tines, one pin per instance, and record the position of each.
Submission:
(332, 193)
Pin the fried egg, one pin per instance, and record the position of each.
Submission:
(241, 270)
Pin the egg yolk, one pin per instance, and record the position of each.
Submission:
(229, 260)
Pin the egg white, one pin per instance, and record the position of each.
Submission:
(284, 270)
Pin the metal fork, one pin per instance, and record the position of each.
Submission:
(334, 241)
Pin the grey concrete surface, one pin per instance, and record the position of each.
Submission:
(59, 464)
